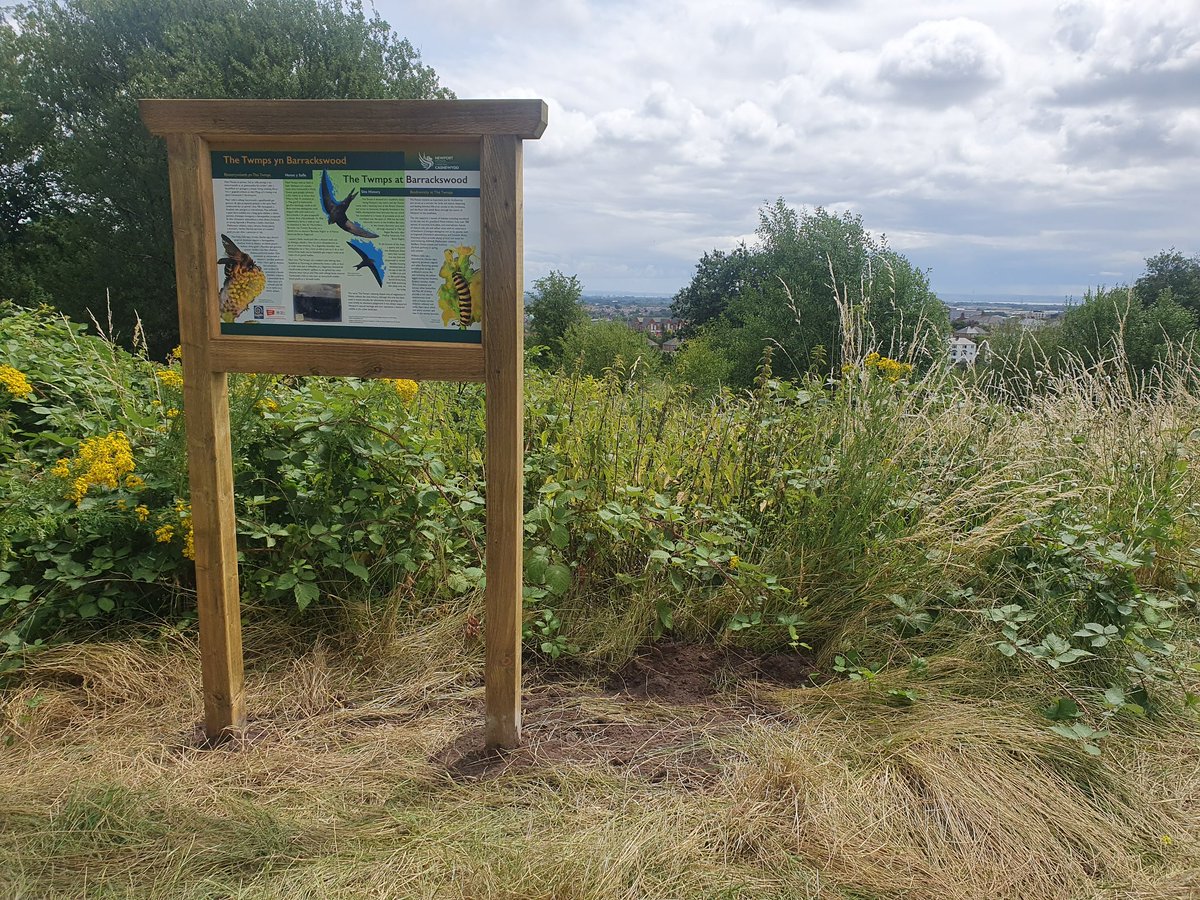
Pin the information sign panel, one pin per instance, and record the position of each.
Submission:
(366, 244)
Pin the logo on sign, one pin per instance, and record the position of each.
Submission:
(426, 161)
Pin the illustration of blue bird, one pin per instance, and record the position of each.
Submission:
(336, 209)
(372, 259)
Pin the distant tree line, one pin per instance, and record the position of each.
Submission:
(817, 289)
(1142, 326)
(84, 204)
(813, 287)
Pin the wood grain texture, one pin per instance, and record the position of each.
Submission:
(421, 361)
(210, 464)
(503, 301)
(344, 118)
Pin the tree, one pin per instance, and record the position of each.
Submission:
(814, 286)
(554, 305)
(1171, 271)
(719, 277)
(597, 347)
(1108, 318)
(101, 221)
(701, 366)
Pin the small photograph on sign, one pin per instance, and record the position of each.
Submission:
(317, 302)
(244, 280)
(461, 293)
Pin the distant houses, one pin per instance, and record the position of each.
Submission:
(973, 325)
(655, 326)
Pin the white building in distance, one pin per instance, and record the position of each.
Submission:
(963, 351)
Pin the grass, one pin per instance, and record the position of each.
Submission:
(912, 530)
(359, 778)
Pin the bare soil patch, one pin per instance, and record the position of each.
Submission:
(654, 718)
(679, 673)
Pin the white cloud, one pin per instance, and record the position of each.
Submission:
(943, 62)
(1017, 144)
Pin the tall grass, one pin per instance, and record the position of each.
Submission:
(842, 502)
(908, 526)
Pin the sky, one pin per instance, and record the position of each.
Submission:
(1008, 147)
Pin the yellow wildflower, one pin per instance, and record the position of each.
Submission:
(15, 381)
(177, 353)
(891, 370)
(266, 404)
(164, 533)
(121, 504)
(99, 462)
(1166, 840)
(142, 513)
(134, 482)
(734, 561)
(170, 378)
(184, 510)
(406, 388)
(172, 413)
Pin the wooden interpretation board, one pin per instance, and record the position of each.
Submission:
(338, 297)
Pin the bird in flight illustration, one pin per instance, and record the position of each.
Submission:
(336, 209)
(244, 280)
(372, 259)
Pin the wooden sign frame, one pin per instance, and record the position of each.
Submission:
(192, 129)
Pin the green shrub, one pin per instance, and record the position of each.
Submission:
(881, 518)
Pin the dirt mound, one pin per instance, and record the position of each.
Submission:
(678, 673)
(567, 729)
(689, 689)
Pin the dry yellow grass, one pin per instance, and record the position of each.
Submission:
(350, 783)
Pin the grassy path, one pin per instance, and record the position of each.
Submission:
(689, 774)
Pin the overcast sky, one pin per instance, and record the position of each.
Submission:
(1007, 146)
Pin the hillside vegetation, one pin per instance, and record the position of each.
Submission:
(988, 602)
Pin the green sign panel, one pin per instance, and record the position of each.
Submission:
(357, 244)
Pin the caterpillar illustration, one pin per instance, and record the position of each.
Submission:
(462, 290)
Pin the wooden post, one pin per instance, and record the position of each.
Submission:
(503, 347)
(210, 462)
